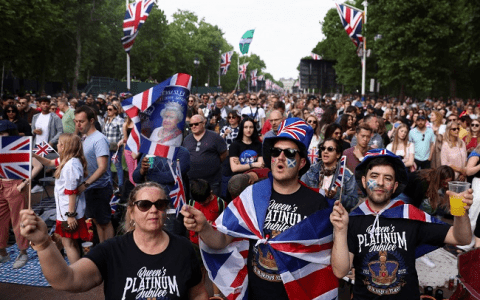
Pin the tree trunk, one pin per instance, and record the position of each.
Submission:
(402, 92)
(78, 60)
(453, 87)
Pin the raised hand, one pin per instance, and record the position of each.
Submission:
(194, 219)
(339, 217)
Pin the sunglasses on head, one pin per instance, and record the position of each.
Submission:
(194, 124)
(289, 153)
(329, 149)
(145, 205)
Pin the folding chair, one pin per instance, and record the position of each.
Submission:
(469, 276)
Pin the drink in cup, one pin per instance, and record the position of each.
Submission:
(151, 158)
(456, 203)
(86, 246)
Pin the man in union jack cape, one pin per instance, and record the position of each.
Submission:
(382, 237)
(274, 240)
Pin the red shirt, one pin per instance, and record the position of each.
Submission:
(211, 212)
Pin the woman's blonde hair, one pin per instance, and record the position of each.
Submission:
(439, 116)
(396, 140)
(446, 136)
(72, 147)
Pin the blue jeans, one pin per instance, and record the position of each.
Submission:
(118, 166)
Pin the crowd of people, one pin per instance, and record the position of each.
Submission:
(280, 156)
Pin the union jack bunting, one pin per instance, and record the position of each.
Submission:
(260, 77)
(133, 106)
(242, 70)
(135, 16)
(315, 56)
(296, 129)
(177, 194)
(302, 252)
(226, 60)
(15, 153)
(313, 155)
(397, 209)
(43, 149)
(268, 84)
(253, 77)
(352, 20)
(114, 201)
(341, 172)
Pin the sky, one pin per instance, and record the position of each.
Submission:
(285, 31)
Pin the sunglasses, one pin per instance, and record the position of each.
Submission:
(109, 109)
(311, 122)
(198, 146)
(240, 98)
(194, 124)
(10, 111)
(423, 137)
(232, 117)
(289, 153)
(452, 120)
(329, 149)
(145, 205)
(475, 125)
(254, 99)
(454, 129)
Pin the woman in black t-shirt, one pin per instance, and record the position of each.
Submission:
(246, 150)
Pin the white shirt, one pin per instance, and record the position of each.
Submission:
(70, 178)
(42, 123)
(252, 112)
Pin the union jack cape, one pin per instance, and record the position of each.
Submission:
(397, 209)
(133, 106)
(352, 20)
(302, 252)
(15, 157)
(253, 77)
(136, 14)
(226, 60)
(242, 71)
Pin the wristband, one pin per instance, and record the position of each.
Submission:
(250, 164)
(71, 214)
(42, 246)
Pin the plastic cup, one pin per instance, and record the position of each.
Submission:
(151, 158)
(86, 246)
(456, 204)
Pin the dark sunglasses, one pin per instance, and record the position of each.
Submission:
(145, 205)
(255, 99)
(232, 117)
(454, 129)
(329, 149)
(109, 109)
(423, 137)
(311, 122)
(475, 125)
(10, 110)
(452, 120)
(289, 153)
(194, 124)
(240, 98)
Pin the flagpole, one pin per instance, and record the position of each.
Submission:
(29, 182)
(238, 76)
(364, 59)
(128, 57)
(220, 66)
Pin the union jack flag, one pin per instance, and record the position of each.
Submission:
(253, 77)
(313, 155)
(15, 153)
(302, 252)
(397, 209)
(268, 84)
(296, 130)
(114, 202)
(43, 149)
(242, 70)
(139, 103)
(352, 20)
(226, 61)
(260, 77)
(341, 172)
(375, 152)
(114, 158)
(315, 56)
(177, 194)
(135, 16)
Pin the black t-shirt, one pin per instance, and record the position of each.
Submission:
(416, 188)
(284, 211)
(385, 265)
(129, 273)
(246, 153)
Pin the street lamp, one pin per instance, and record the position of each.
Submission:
(196, 62)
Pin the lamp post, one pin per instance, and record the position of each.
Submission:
(196, 62)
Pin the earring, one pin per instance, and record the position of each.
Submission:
(132, 223)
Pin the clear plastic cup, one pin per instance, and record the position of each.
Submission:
(456, 203)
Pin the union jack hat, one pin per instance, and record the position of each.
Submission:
(396, 162)
(296, 130)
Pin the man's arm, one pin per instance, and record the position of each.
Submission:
(57, 122)
(223, 155)
(339, 218)
(102, 162)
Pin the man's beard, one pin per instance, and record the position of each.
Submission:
(380, 200)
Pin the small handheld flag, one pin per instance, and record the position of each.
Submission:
(15, 152)
(177, 194)
(339, 180)
(43, 149)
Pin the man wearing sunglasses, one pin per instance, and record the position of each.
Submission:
(278, 208)
(423, 139)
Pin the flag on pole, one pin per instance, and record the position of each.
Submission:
(260, 77)
(114, 158)
(341, 172)
(144, 110)
(246, 40)
(268, 84)
(114, 201)
(352, 22)
(177, 194)
(313, 155)
(253, 77)
(135, 16)
(15, 152)
(226, 61)
(315, 56)
(43, 149)
(242, 70)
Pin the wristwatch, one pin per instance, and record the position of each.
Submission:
(250, 164)
(86, 184)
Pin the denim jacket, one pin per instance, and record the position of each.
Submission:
(350, 194)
